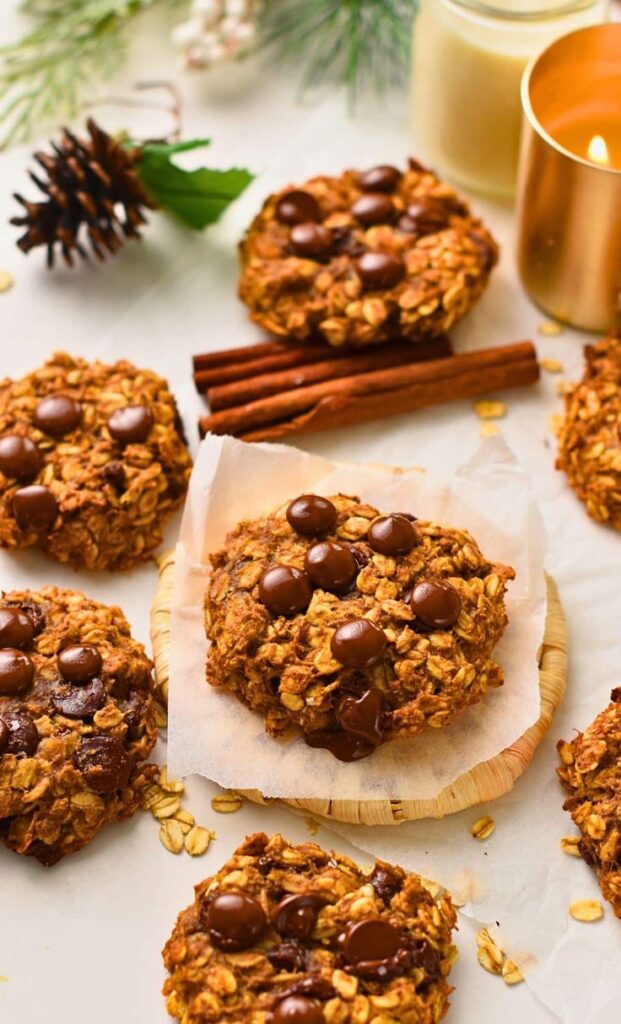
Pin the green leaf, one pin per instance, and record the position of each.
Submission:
(198, 197)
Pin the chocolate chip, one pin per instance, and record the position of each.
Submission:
(297, 206)
(311, 515)
(380, 270)
(383, 178)
(81, 701)
(16, 628)
(313, 985)
(392, 535)
(4, 735)
(20, 459)
(16, 672)
(35, 613)
(385, 881)
(615, 695)
(362, 716)
(235, 921)
(424, 955)
(295, 916)
(131, 425)
(373, 208)
(331, 566)
(285, 590)
(425, 217)
(297, 1010)
(436, 603)
(373, 949)
(289, 957)
(79, 662)
(309, 239)
(104, 763)
(372, 939)
(342, 745)
(344, 241)
(114, 473)
(57, 415)
(358, 643)
(359, 557)
(23, 736)
(34, 507)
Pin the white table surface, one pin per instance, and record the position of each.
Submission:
(80, 943)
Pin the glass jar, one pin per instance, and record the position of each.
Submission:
(468, 59)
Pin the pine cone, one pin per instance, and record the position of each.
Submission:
(88, 181)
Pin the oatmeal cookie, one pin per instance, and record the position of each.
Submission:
(365, 257)
(591, 772)
(92, 461)
(356, 627)
(590, 438)
(77, 721)
(293, 935)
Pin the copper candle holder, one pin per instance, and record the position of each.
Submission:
(569, 186)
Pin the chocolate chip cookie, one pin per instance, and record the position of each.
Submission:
(590, 438)
(354, 626)
(77, 721)
(294, 935)
(92, 462)
(365, 257)
(591, 773)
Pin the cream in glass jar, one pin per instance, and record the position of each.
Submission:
(468, 59)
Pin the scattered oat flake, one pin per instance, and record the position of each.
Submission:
(312, 826)
(511, 973)
(197, 840)
(551, 365)
(487, 428)
(483, 828)
(171, 836)
(569, 844)
(489, 409)
(6, 281)
(227, 802)
(549, 328)
(488, 954)
(586, 910)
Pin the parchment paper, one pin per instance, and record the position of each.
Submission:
(212, 734)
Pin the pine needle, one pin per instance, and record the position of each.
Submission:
(71, 44)
(362, 43)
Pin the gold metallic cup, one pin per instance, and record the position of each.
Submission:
(569, 208)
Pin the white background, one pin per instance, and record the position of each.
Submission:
(80, 942)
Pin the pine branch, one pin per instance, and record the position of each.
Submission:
(362, 43)
(71, 43)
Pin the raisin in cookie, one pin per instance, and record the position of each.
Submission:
(364, 257)
(590, 438)
(354, 626)
(293, 935)
(92, 461)
(77, 721)
(591, 772)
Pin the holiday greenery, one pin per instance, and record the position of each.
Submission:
(96, 188)
(73, 44)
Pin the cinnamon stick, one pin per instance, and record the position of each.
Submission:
(369, 396)
(253, 387)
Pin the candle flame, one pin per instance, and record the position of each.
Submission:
(597, 151)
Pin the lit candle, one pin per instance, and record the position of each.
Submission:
(569, 209)
(468, 59)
